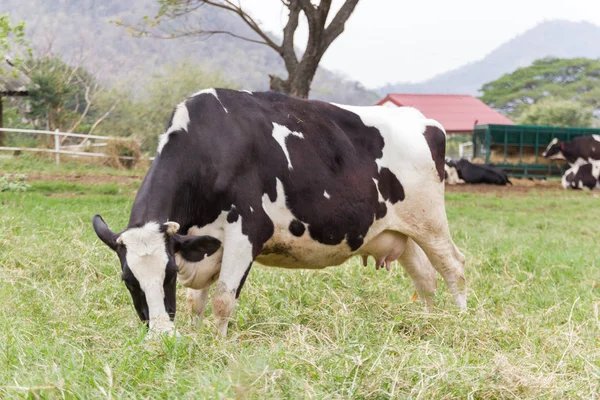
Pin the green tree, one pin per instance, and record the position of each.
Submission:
(176, 18)
(61, 96)
(574, 79)
(146, 116)
(13, 44)
(557, 112)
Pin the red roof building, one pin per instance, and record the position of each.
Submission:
(457, 113)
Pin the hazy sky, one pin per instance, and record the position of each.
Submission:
(409, 41)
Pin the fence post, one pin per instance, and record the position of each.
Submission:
(56, 146)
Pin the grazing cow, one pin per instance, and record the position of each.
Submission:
(579, 151)
(293, 183)
(479, 173)
(586, 176)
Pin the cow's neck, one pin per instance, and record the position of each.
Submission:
(163, 196)
(570, 152)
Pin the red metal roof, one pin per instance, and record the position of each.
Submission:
(456, 112)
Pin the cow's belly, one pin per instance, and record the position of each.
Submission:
(287, 251)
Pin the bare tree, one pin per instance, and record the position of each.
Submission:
(301, 69)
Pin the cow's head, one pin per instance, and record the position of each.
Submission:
(147, 255)
(450, 162)
(554, 151)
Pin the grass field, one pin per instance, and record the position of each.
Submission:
(532, 330)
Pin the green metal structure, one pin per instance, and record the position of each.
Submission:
(522, 147)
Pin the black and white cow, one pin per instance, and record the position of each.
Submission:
(579, 151)
(586, 176)
(451, 174)
(477, 173)
(293, 183)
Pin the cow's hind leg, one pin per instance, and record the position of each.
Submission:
(197, 299)
(446, 259)
(419, 268)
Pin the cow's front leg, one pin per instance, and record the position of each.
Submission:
(239, 252)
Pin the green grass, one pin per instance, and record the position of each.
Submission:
(68, 328)
(34, 163)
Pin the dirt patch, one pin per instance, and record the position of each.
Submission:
(522, 186)
(84, 179)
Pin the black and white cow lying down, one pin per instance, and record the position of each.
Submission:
(464, 171)
(586, 176)
(579, 151)
(293, 183)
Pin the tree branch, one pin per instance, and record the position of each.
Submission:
(336, 27)
(288, 52)
(88, 104)
(229, 5)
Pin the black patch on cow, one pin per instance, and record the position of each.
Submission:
(584, 176)
(380, 210)
(232, 216)
(195, 248)
(297, 228)
(390, 187)
(436, 139)
(242, 281)
(355, 242)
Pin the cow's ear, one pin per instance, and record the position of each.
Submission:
(195, 248)
(104, 233)
(170, 227)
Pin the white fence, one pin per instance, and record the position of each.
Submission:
(465, 150)
(83, 148)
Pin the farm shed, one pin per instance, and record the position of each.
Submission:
(518, 148)
(457, 113)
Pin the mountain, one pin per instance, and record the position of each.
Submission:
(553, 38)
(83, 31)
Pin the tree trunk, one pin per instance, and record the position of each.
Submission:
(2, 134)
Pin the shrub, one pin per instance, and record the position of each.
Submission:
(13, 183)
(117, 148)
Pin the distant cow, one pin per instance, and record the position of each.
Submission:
(479, 173)
(586, 176)
(451, 175)
(288, 182)
(579, 151)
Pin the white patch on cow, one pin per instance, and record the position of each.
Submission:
(246, 91)
(280, 133)
(251, 209)
(327, 196)
(596, 137)
(147, 259)
(379, 196)
(552, 143)
(181, 120)
(453, 178)
(238, 256)
(277, 210)
(198, 275)
(210, 91)
(596, 169)
(401, 128)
